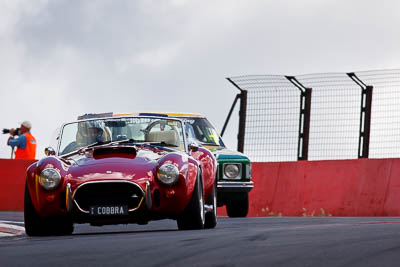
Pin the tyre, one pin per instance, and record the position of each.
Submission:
(62, 225)
(211, 215)
(35, 225)
(239, 207)
(193, 217)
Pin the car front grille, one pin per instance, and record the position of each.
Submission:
(108, 193)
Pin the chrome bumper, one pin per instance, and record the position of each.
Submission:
(224, 186)
(111, 181)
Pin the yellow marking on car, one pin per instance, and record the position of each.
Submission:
(66, 196)
(122, 114)
(182, 114)
(66, 200)
(140, 203)
(161, 113)
(213, 147)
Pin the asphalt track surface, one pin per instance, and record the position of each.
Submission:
(268, 241)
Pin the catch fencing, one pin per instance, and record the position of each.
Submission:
(319, 116)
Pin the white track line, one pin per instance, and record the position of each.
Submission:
(10, 230)
(12, 222)
(15, 227)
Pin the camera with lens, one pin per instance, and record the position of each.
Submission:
(16, 132)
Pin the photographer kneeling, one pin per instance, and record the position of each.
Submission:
(25, 142)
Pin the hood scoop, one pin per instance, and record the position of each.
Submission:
(128, 152)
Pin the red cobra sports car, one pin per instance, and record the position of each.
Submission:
(121, 170)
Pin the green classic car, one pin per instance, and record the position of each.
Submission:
(234, 168)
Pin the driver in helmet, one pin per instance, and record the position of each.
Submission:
(89, 132)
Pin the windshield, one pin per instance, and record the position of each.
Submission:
(157, 131)
(201, 131)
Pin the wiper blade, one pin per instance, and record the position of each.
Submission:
(107, 143)
(125, 141)
(99, 143)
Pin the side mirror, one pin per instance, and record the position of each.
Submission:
(193, 147)
(49, 151)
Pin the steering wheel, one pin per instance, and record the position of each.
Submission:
(162, 124)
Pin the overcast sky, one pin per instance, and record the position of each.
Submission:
(64, 58)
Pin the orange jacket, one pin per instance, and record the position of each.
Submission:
(29, 152)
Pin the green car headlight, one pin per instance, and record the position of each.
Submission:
(232, 171)
(49, 178)
(168, 174)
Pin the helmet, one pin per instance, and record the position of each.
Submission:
(90, 132)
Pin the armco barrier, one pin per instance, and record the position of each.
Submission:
(362, 187)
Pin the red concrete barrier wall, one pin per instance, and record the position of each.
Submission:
(362, 187)
(12, 183)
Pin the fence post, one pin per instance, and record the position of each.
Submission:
(242, 115)
(304, 120)
(229, 114)
(365, 116)
(242, 120)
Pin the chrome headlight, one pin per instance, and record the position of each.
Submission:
(232, 171)
(49, 178)
(168, 174)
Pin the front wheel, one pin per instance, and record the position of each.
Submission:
(193, 217)
(239, 207)
(36, 225)
(33, 223)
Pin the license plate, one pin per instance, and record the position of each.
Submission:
(108, 210)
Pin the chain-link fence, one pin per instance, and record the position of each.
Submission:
(343, 122)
